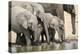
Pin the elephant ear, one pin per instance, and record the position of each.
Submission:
(22, 21)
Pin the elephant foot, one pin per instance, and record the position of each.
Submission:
(58, 41)
(28, 42)
(37, 43)
(63, 40)
(52, 40)
(43, 41)
(48, 43)
(18, 42)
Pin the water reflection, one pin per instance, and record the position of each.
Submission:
(46, 47)
(71, 45)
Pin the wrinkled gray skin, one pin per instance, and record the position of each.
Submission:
(21, 20)
(24, 5)
(34, 8)
(52, 22)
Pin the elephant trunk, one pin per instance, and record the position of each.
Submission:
(35, 34)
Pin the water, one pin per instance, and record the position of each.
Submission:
(45, 47)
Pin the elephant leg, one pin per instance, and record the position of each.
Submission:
(27, 37)
(62, 35)
(31, 35)
(28, 41)
(43, 34)
(62, 38)
(42, 37)
(52, 34)
(32, 38)
(23, 40)
(61, 29)
(38, 38)
(35, 37)
(59, 34)
(18, 39)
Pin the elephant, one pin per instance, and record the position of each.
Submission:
(22, 21)
(52, 23)
(34, 8)
(42, 32)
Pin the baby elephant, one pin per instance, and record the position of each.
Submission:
(42, 33)
(52, 22)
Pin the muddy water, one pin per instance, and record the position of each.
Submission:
(45, 47)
